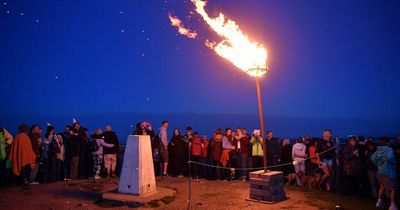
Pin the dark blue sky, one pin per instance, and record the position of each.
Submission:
(331, 59)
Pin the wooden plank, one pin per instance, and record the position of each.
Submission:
(256, 174)
(272, 175)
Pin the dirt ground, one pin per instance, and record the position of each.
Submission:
(207, 195)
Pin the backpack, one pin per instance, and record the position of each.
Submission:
(93, 146)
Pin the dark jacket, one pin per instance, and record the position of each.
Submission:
(274, 148)
(351, 161)
(74, 146)
(244, 144)
(178, 147)
(216, 147)
(369, 164)
(35, 143)
(110, 137)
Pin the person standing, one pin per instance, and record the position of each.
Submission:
(74, 153)
(97, 154)
(66, 136)
(22, 157)
(256, 149)
(351, 167)
(204, 157)
(326, 155)
(241, 143)
(226, 157)
(188, 137)
(287, 159)
(385, 160)
(35, 137)
(5, 142)
(85, 163)
(299, 155)
(274, 150)
(163, 147)
(50, 148)
(372, 169)
(110, 153)
(195, 154)
(178, 149)
(216, 152)
(60, 157)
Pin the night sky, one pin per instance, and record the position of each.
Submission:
(327, 59)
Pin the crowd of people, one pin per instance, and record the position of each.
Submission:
(31, 158)
(362, 166)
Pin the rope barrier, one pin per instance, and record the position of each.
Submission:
(258, 168)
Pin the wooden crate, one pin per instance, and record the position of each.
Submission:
(267, 186)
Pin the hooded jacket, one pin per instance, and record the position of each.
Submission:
(299, 151)
(385, 160)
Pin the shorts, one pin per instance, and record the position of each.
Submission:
(388, 183)
(163, 153)
(326, 162)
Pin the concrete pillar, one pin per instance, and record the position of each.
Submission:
(137, 176)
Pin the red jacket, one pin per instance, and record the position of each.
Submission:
(196, 146)
(204, 149)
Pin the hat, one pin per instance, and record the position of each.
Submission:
(48, 124)
(256, 131)
(74, 121)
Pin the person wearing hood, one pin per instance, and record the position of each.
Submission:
(299, 154)
(22, 157)
(385, 160)
(98, 139)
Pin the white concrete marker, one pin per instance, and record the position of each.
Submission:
(137, 175)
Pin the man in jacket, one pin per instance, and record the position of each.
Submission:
(110, 154)
(274, 150)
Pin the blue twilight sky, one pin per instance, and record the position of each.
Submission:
(328, 59)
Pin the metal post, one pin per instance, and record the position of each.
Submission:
(190, 178)
(260, 109)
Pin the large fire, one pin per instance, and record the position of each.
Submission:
(235, 46)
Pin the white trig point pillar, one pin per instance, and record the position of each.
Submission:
(137, 176)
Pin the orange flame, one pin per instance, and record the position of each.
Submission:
(236, 47)
(181, 29)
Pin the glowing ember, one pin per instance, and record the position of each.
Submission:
(181, 29)
(236, 47)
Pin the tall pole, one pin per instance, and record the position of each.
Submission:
(260, 109)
